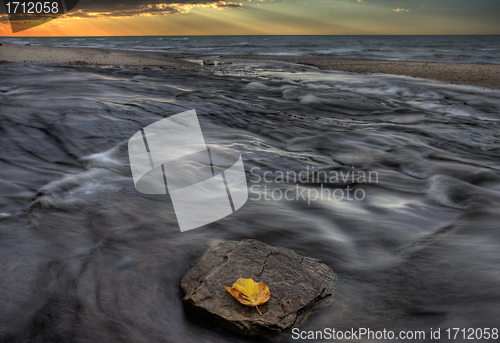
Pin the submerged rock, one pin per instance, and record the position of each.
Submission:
(208, 62)
(299, 286)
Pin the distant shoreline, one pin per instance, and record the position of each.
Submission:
(474, 74)
(89, 56)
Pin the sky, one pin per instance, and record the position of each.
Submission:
(269, 17)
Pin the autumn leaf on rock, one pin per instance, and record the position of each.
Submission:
(249, 292)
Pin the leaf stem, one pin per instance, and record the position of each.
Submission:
(258, 310)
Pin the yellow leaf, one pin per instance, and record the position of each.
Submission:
(249, 292)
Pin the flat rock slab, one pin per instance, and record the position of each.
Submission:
(299, 286)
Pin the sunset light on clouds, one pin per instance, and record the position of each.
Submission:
(265, 17)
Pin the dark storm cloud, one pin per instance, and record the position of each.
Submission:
(129, 8)
(146, 5)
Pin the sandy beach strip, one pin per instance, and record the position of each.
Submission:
(482, 75)
(89, 56)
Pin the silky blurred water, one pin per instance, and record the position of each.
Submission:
(84, 257)
(465, 49)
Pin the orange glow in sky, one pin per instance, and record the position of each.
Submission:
(292, 17)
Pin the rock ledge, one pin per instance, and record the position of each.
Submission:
(299, 286)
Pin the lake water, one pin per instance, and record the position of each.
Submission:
(466, 49)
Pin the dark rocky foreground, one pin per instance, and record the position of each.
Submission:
(299, 286)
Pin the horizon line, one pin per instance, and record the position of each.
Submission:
(242, 35)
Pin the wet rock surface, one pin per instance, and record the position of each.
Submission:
(299, 286)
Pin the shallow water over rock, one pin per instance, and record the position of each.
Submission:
(414, 242)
